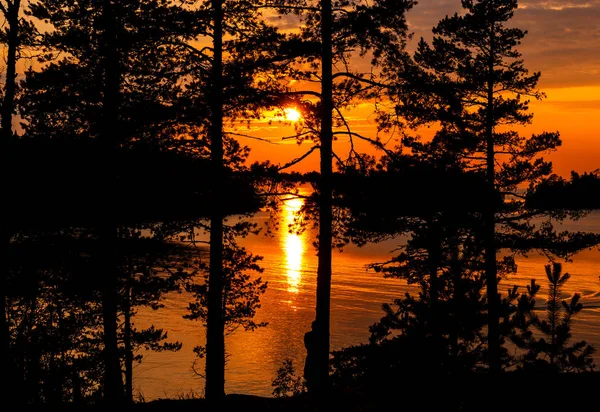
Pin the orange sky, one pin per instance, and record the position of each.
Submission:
(563, 42)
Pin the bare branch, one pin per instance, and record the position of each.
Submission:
(303, 92)
(376, 143)
(359, 78)
(348, 131)
(474, 157)
(518, 217)
(513, 194)
(197, 52)
(284, 7)
(299, 159)
(337, 157)
(262, 139)
(297, 135)
(291, 194)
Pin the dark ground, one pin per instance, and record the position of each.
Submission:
(548, 393)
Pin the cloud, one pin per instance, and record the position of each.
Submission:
(558, 4)
(563, 39)
(563, 43)
(285, 22)
(585, 106)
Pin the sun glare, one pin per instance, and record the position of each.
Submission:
(292, 114)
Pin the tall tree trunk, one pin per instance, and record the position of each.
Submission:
(11, 15)
(52, 380)
(325, 203)
(435, 260)
(127, 335)
(457, 297)
(10, 86)
(490, 223)
(215, 327)
(553, 308)
(6, 362)
(108, 139)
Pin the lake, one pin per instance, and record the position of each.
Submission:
(288, 306)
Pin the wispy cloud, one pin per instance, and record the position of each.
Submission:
(563, 40)
(558, 4)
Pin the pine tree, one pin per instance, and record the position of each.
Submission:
(473, 82)
(241, 290)
(55, 318)
(16, 35)
(334, 31)
(93, 93)
(439, 329)
(228, 75)
(553, 351)
(149, 268)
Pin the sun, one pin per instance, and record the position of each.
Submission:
(292, 114)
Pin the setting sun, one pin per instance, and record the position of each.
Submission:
(292, 114)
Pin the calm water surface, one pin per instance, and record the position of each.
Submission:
(290, 265)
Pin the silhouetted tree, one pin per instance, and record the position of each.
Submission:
(54, 317)
(64, 91)
(55, 310)
(580, 192)
(149, 268)
(11, 11)
(474, 84)
(109, 136)
(241, 289)
(235, 68)
(439, 329)
(338, 29)
(16, 34)
(101, 90)
(287, 383)
(215, 323)
(553, 351)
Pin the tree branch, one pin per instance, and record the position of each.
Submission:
(299, 159)
(194, 50)
(358, 78)
(302, 93)
(376, 143)
(297, 135)
(251, 137)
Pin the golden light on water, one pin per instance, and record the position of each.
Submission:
(293, 245)
(293, 254)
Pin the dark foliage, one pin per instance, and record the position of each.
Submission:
(580, 192)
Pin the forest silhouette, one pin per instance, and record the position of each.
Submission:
(146, 91)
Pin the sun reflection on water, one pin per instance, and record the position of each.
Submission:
(293, 245)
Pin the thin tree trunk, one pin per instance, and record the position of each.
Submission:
(109, 131)
(52, 380)
(325, 203)
(553, 306)
(490, 224)
(6, 362)
(10, 86)
(457, 297)
(113, 383)
(435, 257)
(215, 328)
(11, 15)
(127, 336)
